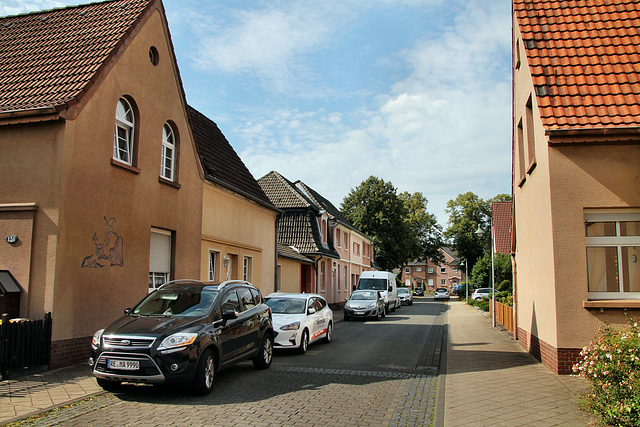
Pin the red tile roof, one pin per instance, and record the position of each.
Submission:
(502, 213)
(584, 60)
(48, 58)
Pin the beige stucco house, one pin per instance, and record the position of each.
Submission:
(576, 172)
(112, 185)
(312, 228)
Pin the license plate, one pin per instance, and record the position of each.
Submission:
(128, 365)
(359, 312)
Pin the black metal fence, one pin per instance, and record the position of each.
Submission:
(25, 345)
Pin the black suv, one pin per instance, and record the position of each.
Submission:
(184, 332)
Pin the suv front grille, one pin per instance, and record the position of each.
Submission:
(127, 342)
(147, 366)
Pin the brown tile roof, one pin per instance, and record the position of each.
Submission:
(219, 159)
(299, 228)
(325, 204)
(283, 193)
(585, 55)
(48, 58)
(502, 214)
(292, 253)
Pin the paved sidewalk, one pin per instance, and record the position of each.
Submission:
(33, 394)
(491, 381)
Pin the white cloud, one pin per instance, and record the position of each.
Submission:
(443, 129)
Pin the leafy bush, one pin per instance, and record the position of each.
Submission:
(505, 286)
(611, 364)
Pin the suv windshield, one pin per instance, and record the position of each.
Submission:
(183, 303)
(286, 305)
(377, 284)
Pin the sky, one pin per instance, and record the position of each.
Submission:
(414, 92)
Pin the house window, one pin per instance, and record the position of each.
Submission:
(322, 276)
(443, 270)
(247, 267)
(407, 270)
(346, 242)
(338, 238)
(443, 282)
(418, 268)
(123, 137)
(213, 265)
(167, 168)
(159, 258)
(613, 252)
(520, 147)
(346, 276)
(356, 249)
(430, 270)
(531, 142)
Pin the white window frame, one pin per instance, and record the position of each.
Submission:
(214, 262)
(430, 270)
(167, 167)
(125, 122)
(418, 268)
(247, 268)
(159, 258)
(443, 283)
(407, 270)
(617, 242)
(443, 270)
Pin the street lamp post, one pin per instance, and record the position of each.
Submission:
(466, 279)
(480, 233)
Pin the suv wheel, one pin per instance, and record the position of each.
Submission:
(205, 372)
(265, 354)
(304, 342)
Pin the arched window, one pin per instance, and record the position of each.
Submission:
(123, 138)
(167, 168)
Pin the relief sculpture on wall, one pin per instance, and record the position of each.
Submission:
(110, 249)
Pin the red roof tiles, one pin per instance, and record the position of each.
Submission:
(586, 54)
(47, 58)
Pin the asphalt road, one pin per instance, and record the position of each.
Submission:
(373, 373)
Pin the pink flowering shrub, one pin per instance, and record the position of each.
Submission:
(611, 363)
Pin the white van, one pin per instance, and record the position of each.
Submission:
(382, 281)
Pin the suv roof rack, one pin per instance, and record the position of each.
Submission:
(234, 282)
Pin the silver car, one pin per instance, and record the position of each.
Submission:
(366, 304)
(405, 297)
(441, 293)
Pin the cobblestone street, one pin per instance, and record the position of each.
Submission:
(282, 395)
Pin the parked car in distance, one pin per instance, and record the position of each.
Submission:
(365, 304)
(418, 292)
(441, 293)
(481, 292)
(405, 297)
(300, 319)
(184, 333)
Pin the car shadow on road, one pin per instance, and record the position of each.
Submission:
(242, 383)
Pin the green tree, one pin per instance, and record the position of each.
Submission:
(424, 227)
(466, 212)
(375, 209)
(481, 271)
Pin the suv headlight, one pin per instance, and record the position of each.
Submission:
(177, 341)
(95, 341)
(291, 326)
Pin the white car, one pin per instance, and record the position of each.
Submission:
(481, 292)
(441, 293)
(299, 320)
